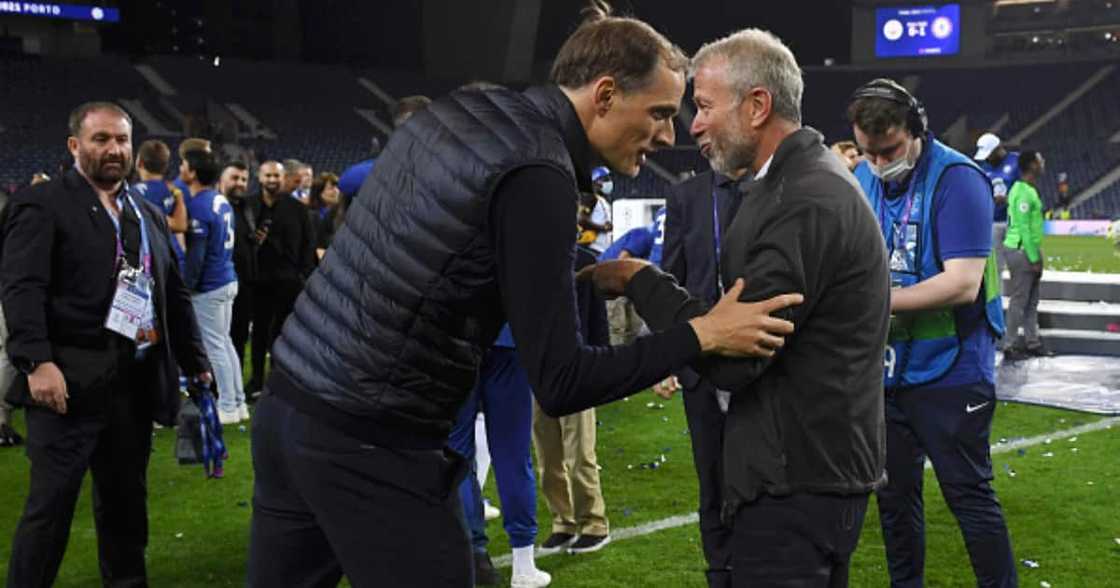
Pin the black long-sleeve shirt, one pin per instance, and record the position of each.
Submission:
(532, 219)
(288, 252)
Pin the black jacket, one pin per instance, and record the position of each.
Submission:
(58, 275)
(325, 225)
(811, 418)
(689, 251)
(246, 220)
(288, 253)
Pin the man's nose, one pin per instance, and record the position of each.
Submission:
(699, 125)
(666, 135)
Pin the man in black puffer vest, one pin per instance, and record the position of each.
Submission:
(468, 220)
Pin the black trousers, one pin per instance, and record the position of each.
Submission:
(797, 541)
(109, 432)
(242, 318)
(272, 303)
(325, 504)
(705, 425)
(951, 426)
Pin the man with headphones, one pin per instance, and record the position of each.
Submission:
(934, 206)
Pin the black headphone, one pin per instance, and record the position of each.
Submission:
(916, 120)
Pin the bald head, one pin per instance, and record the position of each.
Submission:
(271, 175)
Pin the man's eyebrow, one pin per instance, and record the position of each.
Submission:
(880, 151)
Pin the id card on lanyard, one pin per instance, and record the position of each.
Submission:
(901, 235)
(132, 311)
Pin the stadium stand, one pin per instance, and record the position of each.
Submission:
(315, 112)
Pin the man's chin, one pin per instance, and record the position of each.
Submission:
(721, 166)
(633, 169)
(107, 177)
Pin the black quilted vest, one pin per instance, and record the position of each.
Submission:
(391, 327)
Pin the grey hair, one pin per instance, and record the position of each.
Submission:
(293, 166)
(758, 59)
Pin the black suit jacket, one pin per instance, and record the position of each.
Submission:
(689, 251)
(246, 220)
(288, 253)
(57, 271)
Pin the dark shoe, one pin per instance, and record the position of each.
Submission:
(555, 543)
(1039, 351)
(1014, 354)
(9, 437)
(589, 543)
(484, 572)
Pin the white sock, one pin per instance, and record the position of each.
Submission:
(523, 560)
(481, 449)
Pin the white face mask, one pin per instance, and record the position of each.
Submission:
(896, 170)
(606, 187)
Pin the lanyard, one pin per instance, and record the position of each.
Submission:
(715, 231)
(889, 225)
(145, 247)
(917, 184)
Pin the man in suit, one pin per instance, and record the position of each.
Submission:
(99, 323)
(698, 212)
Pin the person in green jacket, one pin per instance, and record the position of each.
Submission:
(1022, 249)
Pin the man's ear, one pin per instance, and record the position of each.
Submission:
(72, 146)
(761, 104)
(603, 94)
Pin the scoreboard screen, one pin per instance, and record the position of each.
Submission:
(918, 31)
(82, 12)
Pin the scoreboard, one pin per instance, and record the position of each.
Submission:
(918, 31)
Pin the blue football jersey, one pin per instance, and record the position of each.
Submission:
(638, 242)
(1002, 176)
(161, 194)
(211, 227)
(157, 192)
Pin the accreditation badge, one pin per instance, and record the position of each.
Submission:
(131, 313)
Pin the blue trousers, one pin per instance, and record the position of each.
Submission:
(951, 426)
(503, 393)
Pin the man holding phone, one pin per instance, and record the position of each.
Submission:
(285, 257)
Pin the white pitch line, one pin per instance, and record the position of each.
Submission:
(627, 533)
(999, 448)
(690, 518)
(1012, 446)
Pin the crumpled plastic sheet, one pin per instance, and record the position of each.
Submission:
(1075, 382)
